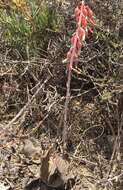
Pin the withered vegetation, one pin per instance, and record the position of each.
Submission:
(32, 96)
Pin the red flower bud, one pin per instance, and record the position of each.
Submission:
(83, 3)
(84, 22)
(73, 38)
(77, 19)
(78, 44)
(89, 12)
(83, 9)
(81, 33)
(77, 12)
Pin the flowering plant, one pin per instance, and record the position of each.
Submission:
(84, 22)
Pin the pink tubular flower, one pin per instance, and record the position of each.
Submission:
(77, 12)
(81, 33)
(84, 9)
(84, 22)
(89, 12)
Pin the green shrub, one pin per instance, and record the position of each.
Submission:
(24, 22)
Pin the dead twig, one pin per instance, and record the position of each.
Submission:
(27, 104)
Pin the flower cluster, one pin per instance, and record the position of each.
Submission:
(85, 22)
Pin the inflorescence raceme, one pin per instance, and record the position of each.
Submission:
(85, 22)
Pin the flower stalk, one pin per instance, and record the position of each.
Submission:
(84, 22)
